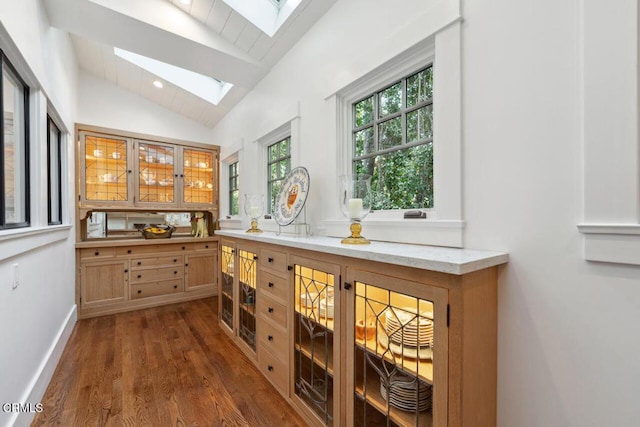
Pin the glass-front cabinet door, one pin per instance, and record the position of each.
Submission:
(156, 173)
(199, 177)
(316, 309)
(397, 335)
(106, 170)
(227, 269)
(246, 270)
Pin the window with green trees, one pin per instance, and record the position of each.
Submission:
(234, 191)
(393, 142)
(278, 166)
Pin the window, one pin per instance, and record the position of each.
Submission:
(278, 166)
(14, 138)
(234, 191)
(54, 175)
(393, 142)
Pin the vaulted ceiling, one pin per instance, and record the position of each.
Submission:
(208, 37)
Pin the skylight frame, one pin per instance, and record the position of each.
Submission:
(205, 87)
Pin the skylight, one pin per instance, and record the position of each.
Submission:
(267, 15)
(205, 87)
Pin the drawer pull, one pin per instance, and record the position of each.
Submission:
(271, 284)
(139, 291)
(175, 286)
(270, 337)
(270, 368)
(175, 272)
(269, 259)
(97, 253)
(175, 260)
(139, 276)
(126, 270)
(270, 309)
(186, 265)
(139, 262)
(183, 248)
(128, 251)
(206, 246)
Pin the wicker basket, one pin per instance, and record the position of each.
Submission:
(149, 231)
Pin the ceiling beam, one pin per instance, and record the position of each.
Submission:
(159, 30)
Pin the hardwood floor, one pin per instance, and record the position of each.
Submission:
(164, 366)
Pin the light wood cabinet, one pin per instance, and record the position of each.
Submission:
(123, 275)
(374, 343)
(130, 171)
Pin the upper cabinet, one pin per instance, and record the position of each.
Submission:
(131, 172)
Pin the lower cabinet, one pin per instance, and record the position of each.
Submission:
(353, 342)
(129, 275)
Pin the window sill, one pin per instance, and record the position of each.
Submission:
(19, 241)
(617, 243)
(419, 231)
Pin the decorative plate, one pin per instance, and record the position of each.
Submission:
(292, 196)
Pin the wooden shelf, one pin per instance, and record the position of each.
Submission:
(305, 349)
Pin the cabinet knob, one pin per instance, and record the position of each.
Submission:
(347, 286)
(270, 368)
(139, 291)
(233, 251)
(175, 286)
(139, 276)
(206, 246)
(255, 257)
(97, 253)
(126, 270)
(186, 264)
(270, 337)
(269, 259)
(175, 272)
(271, 284)
(175, 260)
(128, 251)
(139, 262)
(289, 267)
(183, 248)
(270, 309)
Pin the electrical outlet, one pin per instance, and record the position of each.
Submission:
(16, 276)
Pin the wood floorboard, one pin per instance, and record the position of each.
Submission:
(163, 366)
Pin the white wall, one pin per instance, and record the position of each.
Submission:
(101, 103)
(37, 317)
(568, 346)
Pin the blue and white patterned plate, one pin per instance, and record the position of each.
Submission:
(292, 196)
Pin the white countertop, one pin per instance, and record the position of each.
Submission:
(445, 260)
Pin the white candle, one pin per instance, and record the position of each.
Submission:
(253, 211)
(355, 208)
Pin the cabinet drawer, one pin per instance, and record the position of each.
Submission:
(156, 261)
(272, 310)
(153, 289)
(274, 286)
(97, 252)
(274, 261)
(155, 274)
(274, 339)
(205, 246)
(275, 370)
(153, 249)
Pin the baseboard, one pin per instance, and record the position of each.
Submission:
(41, 379)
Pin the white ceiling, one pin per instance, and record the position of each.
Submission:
(207, 37)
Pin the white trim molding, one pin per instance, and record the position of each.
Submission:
(617, 243)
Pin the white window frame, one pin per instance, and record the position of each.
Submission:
(609, 38)
(14, 242)
(444, 223)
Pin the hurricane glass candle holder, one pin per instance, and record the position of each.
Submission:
(253, 208)
(355, 202)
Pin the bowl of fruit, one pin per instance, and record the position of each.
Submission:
(155, 231)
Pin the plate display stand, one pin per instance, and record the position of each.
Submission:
(300, 228)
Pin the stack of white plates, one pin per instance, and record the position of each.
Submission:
(407, 394)
(407, 328)
(326, 308)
